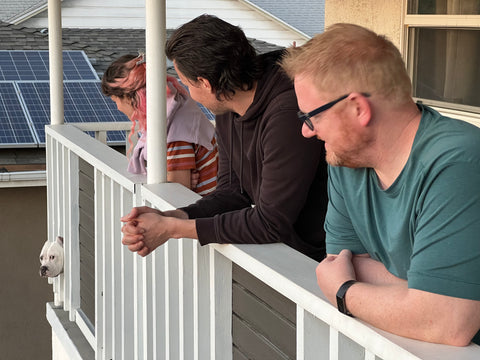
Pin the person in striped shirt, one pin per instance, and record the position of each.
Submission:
(191, 146)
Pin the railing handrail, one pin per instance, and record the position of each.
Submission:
(106, 159)
(287, 271)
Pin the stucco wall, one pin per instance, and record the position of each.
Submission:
(24, 330)
(382, 16)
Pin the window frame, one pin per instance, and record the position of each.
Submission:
(413, 21)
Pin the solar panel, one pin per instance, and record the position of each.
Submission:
(83, 102)
(15, 130)
(18, 65)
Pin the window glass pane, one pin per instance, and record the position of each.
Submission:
(444, 7)
(446, 65)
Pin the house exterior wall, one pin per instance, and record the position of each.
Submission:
(24, 331)
(131, 14)
(384, 17)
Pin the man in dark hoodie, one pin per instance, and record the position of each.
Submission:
(263, 158)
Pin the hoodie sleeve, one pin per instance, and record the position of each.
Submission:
(288, 167)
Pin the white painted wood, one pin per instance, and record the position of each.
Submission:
(155, 36)
(55, 61)
(204, 300)
(107, 263)
(160, 313)
(173, 297)
(71, 237)
(99, 266)
(107, 160)
(369, 355)
(67, 342)
(221, 274)
(58, 282)
(115, 254)
(127, 284)
(65, 232)
(189, 315)
(147, 270)
(85, 327)
(333, 344)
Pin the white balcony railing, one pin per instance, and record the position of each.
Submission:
(177, 302)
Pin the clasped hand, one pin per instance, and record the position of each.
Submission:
(144, 230)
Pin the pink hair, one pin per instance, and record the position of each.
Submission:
(126, 78)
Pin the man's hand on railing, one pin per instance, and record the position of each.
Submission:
(146, 228)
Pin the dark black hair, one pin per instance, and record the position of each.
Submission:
(220, 52)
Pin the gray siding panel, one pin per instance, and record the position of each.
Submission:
(87, 240)
(263, 322)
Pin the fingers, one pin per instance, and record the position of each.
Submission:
(346, 253)
(130, 216)
(132, 228)
(137, 211)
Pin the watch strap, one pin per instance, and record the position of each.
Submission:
(341, 304)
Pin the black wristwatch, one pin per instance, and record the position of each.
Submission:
(341, 305)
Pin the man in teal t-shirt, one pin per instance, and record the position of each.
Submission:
(403, 220)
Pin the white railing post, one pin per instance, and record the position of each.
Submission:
(71, 235)
(221, 302)
(155, 36)
(55, 61)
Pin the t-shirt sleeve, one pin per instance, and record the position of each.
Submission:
(340, 233)
(446, 252)
(180, 156)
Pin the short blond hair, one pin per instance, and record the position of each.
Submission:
(347, 58)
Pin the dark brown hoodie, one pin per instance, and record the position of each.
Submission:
(266, 162)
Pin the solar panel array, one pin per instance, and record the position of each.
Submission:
(25, 97)
(33, 65)
(14, 130)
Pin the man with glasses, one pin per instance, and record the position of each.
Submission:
(403, 219)
(263, 158)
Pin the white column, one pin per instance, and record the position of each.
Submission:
(55, 61)
(155, 35)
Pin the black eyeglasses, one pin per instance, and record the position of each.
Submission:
(305, 117)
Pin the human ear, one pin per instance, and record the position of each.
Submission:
(363, 108)
(204, 83)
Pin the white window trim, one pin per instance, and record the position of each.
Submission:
(441, 21)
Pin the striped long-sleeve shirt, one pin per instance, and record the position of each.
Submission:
(183, 155)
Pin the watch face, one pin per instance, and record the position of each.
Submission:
(341, 305)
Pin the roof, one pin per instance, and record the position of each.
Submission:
(13, 9)
(101, 46)
(308, 16)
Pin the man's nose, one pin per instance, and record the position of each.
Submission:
(306, 132)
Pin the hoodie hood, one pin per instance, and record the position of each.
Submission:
(269, 86)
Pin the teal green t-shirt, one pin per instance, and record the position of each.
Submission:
(425, 227)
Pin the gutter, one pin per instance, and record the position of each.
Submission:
(23, 179)
(276, 19)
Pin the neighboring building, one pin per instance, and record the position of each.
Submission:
(112, 14)
(305, 15)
